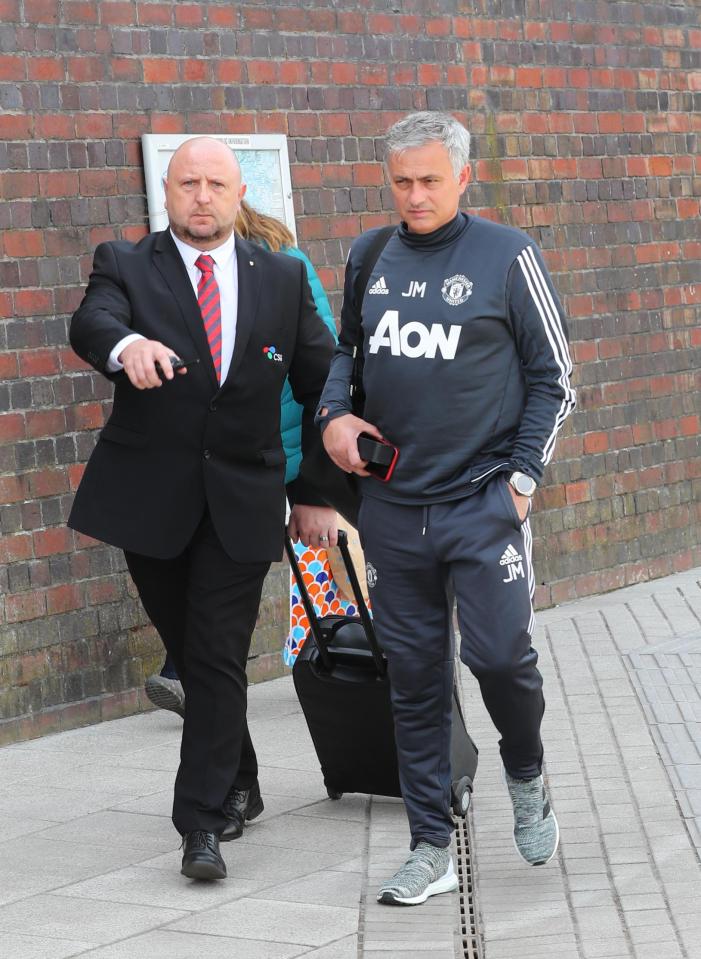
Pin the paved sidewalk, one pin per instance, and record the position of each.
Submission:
(89, 864)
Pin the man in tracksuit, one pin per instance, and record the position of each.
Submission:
(467, 373)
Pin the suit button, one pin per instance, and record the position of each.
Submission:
(213, 406)
(206, 454)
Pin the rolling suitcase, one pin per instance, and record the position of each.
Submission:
(340, 676)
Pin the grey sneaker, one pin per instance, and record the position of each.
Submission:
(166, 693)
(427, 872)
(536, 833)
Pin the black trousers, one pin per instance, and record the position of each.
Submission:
(477, 551)
(204, 606)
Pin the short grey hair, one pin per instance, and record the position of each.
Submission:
(429, 126)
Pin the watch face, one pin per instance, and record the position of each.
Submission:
(523, 484)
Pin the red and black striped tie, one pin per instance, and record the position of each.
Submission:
(210, 307)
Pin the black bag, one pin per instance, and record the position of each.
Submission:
(340, 676)
(338, 489)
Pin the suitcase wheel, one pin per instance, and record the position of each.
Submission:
(461, 795)
(333, 793)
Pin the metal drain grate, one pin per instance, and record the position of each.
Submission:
(470, 940)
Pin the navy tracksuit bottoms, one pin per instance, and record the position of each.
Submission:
(419, 559)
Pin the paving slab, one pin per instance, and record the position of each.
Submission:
(622, 732)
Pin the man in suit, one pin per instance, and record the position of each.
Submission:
(187, 476)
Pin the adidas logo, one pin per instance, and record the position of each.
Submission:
(510, 555)
(379, 288)
(513, 561)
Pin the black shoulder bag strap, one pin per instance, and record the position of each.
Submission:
(372, 255)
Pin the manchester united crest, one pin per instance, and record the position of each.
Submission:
(456, 289)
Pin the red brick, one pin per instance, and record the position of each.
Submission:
(22, 243)
(55, 127)
(62, 183)
(38, 362)
(438, 27)
(13, 68)
(293, 72)
(577, 492)
(16, 185)
(271, 123)
(93, 126)
(20, 607)
(116, 13)
(9, 368)
(75, 475)
(262, 71)
(45, 68)
(596, 442)
(60, 599)
(428, 74)
(160, 70)
(9, 11)
(48, 482)
(154, 14)
(99, 591)
(529, 77)
(50, 542)
(196, 71)
(98, 182)
(132, 125)
(79, 11)
(365, 174)
(41, 11)
(45, 422)
(12, 427)
(126, 68)
(85, 69)
(405, 75)
(373, 74)
(15, 548)
(13, 489)
(167, 123)
(221, 16)
(228, 71)
(344, 74)
(15, 127)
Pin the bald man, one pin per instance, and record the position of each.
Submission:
(187, 476)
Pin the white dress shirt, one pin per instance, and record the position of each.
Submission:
(226, 275)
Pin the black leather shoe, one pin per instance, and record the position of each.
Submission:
(240, 805)
(201, 858)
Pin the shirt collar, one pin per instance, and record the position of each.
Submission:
(222, 255)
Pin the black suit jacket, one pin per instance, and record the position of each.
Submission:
(168, 452)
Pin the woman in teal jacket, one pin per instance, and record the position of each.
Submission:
(165, 689)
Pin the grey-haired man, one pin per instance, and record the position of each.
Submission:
(466, 371)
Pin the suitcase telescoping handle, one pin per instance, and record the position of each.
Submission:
(308, 605)
(314, 626)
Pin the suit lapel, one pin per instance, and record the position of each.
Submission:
(169, 264)
(249, 280)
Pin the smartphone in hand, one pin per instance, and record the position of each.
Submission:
(177, 364)
(381, 456)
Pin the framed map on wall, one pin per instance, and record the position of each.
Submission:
(265, 167)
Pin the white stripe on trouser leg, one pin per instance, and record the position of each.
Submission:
(528, 550)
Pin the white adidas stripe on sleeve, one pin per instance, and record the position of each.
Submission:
(552, 324)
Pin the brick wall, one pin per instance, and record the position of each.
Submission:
(586, 115)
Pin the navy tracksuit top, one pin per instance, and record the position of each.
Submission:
(467, 367)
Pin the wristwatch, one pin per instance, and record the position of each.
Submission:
(523, 484)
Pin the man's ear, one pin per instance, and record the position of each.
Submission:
(465, 176)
